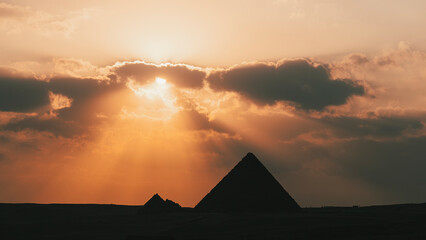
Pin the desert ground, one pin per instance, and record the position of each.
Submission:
(94, 221)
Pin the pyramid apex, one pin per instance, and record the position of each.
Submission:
(157, 196)
(250, 154)
(250, 157)
(157, 204)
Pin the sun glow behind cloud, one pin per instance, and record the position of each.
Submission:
(157, 99)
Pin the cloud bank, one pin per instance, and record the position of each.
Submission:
(313, 124)
(308, 86)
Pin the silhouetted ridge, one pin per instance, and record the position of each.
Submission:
(248, 187)
(172, 205)
(157, 204)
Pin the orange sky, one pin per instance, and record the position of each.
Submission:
(113, 101)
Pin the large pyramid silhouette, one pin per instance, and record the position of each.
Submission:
(248, 187)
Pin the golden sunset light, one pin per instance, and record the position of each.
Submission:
(110, 102)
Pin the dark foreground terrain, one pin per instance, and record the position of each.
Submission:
(92, 221)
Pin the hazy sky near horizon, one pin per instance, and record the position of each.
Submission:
(113, 101)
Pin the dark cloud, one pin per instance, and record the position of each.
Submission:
(12, 143)
(393, 169)
(56, 126)
(4, 139)
(78, 89)
(86, 95)
(394, 166)
(31, 95)
(179, 75)
(300, 82)
(22, 95)
(372, 127)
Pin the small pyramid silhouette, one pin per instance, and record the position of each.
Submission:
(248, 187)
(157, 204)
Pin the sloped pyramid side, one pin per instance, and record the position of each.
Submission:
(248, 187)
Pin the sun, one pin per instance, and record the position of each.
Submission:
(156, 98)
(160, 81)
(157, 89)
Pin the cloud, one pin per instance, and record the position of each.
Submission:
(56, 126)
(368, 151)
(29, 94)
(361, 171)
(16, 18)
(54, 68)
(77, 68)
(58, 101)
(395, 77)
(380, 127)
(85, 93)
(395, 166)
(12, 11)
(23, 95)
(85, 101)
(300, 82)
(181, 75)
(356, 59)
(62, 106)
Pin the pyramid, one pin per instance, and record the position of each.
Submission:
(157, 204)
(248, 187)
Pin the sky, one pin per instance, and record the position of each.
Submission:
(114, 101)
